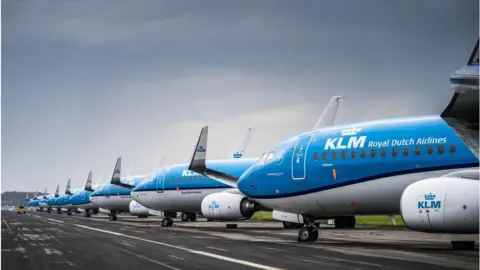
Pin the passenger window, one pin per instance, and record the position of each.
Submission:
(430, 150)
(344, 154)
(394, 152)
(325, 155)
(405, 151)
(315, 156)
(452, 148)
(383, 152)
(417, 151)
(441, 149)
(363, 153)
(353, 154)
(372, 153)
(334, 155)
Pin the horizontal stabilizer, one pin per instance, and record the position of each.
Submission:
(327, 118)
(88, 184)
(197, 164)
(116, 179)
(67, 189)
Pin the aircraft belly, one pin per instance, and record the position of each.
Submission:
(380, 196)
(113, 202)
(86, 206)
(180, 201)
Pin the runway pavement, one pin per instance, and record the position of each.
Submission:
(52, 241)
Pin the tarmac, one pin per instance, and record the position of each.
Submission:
(40, 240)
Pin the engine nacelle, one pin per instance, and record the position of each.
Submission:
(137, 209)
(227, 207)
(444, 205)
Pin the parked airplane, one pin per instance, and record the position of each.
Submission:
(404, 165)
(81, 199)
(51, 201)
(178, 189)
(188, 213)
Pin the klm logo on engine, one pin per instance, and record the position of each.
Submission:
(214, 205)
(189, 173)
(429, 202)
(345, 143)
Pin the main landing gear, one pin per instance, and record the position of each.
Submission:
(113, 215)
(69, 212)
(87, 213)
(188, 217)
(309, 233)
(167, 222)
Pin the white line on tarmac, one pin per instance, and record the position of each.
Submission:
(208, 254)
(150, 260)
(6, 224)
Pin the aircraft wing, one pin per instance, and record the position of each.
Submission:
(116, 180)
(197, 163)
(329, 113)
(88, 184)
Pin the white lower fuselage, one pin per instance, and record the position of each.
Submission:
(375, 197)
(175, 201)
(112, 202)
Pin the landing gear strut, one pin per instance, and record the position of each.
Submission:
(189, 217)
(69, 212)
(59, 210)
(309, 233)
(113, 215)
(87, 213)
(167, 222)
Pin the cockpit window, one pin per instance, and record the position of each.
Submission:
(262, 158)
(270, 156)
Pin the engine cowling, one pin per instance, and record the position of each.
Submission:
(137, 209)
(444, 205)
(227, 207)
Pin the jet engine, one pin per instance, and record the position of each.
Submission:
(226, 206)
(137, 209)
(443, 205)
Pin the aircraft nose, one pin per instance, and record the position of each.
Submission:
(244, 184)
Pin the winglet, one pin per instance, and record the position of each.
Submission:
(242, 147)
(327, 118)
(57, 191)
(67, 189)
(88, 184)
(116, 179)
(198, 164)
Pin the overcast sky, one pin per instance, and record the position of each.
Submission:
(84, 82)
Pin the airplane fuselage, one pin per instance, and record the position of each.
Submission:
(177, 189)
(355, 169)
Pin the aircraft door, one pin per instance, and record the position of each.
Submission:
(160, 180)
(299, 158)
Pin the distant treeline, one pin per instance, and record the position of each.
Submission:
(15, 198)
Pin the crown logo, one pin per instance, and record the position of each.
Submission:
(430, 196)
(201, 149)
(237, 155)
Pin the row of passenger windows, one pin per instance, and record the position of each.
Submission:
(190, 178)
(383, 152)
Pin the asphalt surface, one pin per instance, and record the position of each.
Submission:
(52, 241)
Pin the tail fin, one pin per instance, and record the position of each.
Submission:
(327, 118)
(35, 194)
(67, 189)
(242, 147)
(88, 184)
(26, 197)
(57, 191)
(45, 194)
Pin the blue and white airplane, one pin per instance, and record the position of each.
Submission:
(407, 166)
(81, 199)
(188, 214)
(178, 189)
(114, 198)
(50, 201)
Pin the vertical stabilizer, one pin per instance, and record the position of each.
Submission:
(116, 172)
(242, 147)
(327, 118)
